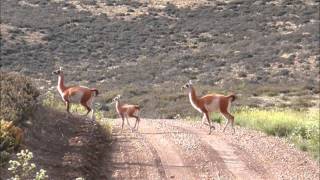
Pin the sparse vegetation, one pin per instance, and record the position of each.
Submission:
(146, 51)
(119, 45)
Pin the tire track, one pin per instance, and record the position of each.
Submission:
(156, 157)
(164, 157)
(205, 160)
(235, 164)
(171, 159)
(210, 153)
(132, 157)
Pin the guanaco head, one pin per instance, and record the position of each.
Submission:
(187, 85)
(116, 99)
(58, 71)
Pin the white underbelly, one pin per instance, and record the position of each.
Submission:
(196, 107)
(136, 113)
(214, 106)
(193, 104)
(76, 98)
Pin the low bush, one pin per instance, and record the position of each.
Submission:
(18, 97)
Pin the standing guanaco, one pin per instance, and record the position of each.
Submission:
(75, 94)
(211, 103)
(127, 110)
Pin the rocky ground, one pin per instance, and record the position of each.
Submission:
(264, 50)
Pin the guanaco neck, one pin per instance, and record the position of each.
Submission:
(118, 105)
(61, 86)
(193, 98)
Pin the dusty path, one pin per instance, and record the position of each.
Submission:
(170, 157)
(170, 149)
(131, 157)
(237, 162)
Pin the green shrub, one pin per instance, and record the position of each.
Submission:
(18, 97)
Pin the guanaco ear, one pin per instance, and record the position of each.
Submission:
(60, 68)
(190, 82)
(118, 96)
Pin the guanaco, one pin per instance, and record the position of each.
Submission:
(127, 110)
(76, 94)
(211, 103)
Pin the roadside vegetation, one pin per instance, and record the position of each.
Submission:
(18, 102)
(300, 127)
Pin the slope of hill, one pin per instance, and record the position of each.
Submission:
(67, 146)
(264, 50)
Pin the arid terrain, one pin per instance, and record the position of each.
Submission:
(266, 51)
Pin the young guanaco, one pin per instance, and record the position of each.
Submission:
(127, 110)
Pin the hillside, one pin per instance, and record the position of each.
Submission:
(66, 146)
(267, 51)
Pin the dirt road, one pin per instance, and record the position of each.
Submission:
(176, 149)
(170, 149)
(71, 147)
